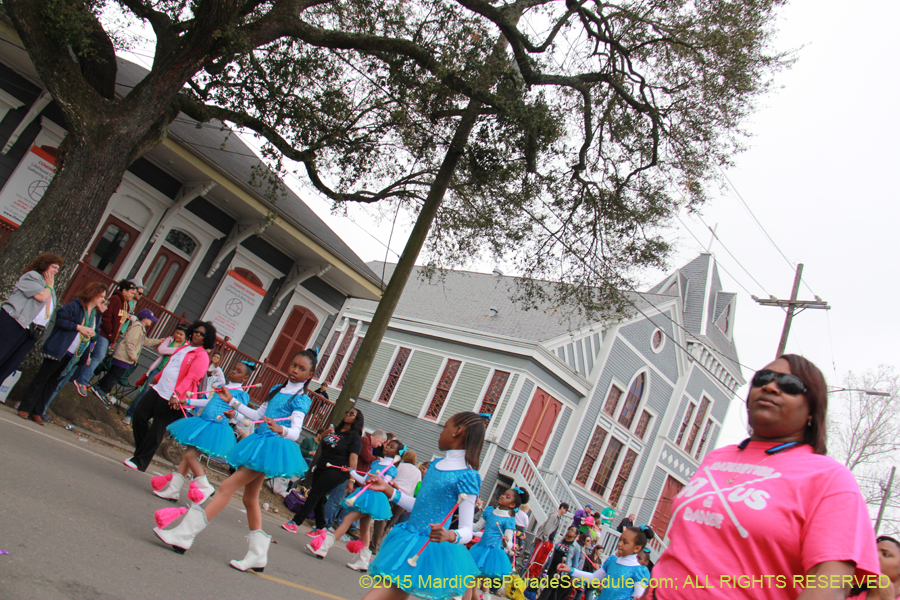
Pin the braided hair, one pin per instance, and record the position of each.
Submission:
(642, 535)
(473, 423)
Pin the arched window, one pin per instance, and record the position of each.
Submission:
(635, 394)
(249, 276)
(294, 337)
(181, 241)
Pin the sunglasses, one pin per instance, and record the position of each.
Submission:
(200, 333)
(787, 383)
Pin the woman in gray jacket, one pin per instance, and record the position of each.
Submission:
(27, 311)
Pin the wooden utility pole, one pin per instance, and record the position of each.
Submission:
(793, 306)
(884, 499)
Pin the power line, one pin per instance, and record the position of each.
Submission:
(731, 254)
(736, 280)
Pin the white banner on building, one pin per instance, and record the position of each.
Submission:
(234, 306)
(26, 186)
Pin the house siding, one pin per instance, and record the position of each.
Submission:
(418, 377)
(550, 451)
(509, 390)
(640, 336)
(380, 364)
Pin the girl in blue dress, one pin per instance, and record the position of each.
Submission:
(367, 507)
(622, 575)
(499, 529)
(208, 434)
(443, 568)
(272, 451)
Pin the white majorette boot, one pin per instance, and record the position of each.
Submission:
(257, 554)
(182, 536)
(171, 492)
(327, 543)
(362, 562)
(204, 487)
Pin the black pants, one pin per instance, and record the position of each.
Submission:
(147, 438)
(324, 480)
(42, 386)
(15, 343)
(112, 376)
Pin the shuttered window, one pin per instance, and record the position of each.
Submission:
(443, 389)
(349, 362)
(590, 456)
(394, 375)
(695, 428)
(342, 351)
(323, 360)
(494, 392)
(607, 465)
(612, 401)
(622, 477)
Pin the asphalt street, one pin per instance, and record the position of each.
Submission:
(77, 524)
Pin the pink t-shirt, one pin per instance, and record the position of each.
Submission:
(768, 517)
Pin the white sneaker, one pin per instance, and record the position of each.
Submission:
(128, 463)
(126, 421)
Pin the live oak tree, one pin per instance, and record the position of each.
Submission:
(555, 136)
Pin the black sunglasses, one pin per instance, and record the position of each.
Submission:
(200, 333)
(787, 383)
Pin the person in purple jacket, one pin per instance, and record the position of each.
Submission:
(580, 514)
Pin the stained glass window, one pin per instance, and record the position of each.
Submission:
(590, 455)
(394, 375)
(493, 393)
(443, 389)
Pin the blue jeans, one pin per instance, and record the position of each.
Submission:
(62, 382)
(333, 504)
(84, 374)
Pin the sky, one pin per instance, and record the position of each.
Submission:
(816, 175)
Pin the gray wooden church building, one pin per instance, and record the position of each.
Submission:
(584, 413)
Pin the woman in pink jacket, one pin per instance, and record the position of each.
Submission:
(183, 373)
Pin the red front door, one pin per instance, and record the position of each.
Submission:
(537, 425)
(293, 338)
(163, 275)
(663, 513)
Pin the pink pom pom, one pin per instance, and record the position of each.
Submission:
(194, 494)
(355, 546)
(160, 482)
(164, 516)
(317, 541)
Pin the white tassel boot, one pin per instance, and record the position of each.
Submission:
(257, 554)
(205, 488)
(172, 492)
(362, 562)
(327, 543)
(182, 536)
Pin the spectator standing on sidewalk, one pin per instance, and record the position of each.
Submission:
(110, 326)
(128, 351)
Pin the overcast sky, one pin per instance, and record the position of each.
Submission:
(816, 175)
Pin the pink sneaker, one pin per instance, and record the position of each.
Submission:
(80, 389)
(314, 533)
(290, 526)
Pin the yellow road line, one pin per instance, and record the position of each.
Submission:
(298, 586)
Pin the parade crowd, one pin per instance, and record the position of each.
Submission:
(771, 517)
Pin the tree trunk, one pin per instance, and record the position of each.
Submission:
(382, 317)
(64, 220)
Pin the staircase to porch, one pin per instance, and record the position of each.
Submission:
(548, 490)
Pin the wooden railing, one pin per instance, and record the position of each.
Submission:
(265, 374)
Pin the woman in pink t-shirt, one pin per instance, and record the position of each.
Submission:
(772, 517)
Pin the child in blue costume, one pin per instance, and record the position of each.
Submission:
(367, 506)
(270, 452)
(209, 434)
(499, 527)
(622, 575)
(444, 568)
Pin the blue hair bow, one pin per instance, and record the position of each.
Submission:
(249, 364)
(517, 489)
(485, 416)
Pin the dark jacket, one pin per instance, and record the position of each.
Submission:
(67, 318)
(112, 318)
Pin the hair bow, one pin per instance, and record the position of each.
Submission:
(517, 489)
(249, 364)
(485, 416)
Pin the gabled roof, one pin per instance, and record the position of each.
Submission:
(703, 302)
(221, 146)
(464, 299)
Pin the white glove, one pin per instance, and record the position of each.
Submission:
(234, 403)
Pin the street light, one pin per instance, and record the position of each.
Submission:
(866, 392)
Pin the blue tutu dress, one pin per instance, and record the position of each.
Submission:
(443, 569)
(267, 452)
(209, 433)
(374, 504)
(488, 553)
